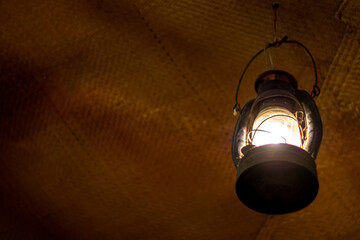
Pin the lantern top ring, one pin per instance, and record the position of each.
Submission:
(275, 75)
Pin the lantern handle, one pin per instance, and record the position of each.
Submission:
(315, 91)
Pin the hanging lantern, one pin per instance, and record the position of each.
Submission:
(275, 143)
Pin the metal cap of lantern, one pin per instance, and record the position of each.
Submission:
(275, 143)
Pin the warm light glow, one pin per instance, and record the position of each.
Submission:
(275, 125)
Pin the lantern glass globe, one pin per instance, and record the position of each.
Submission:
(275, 125)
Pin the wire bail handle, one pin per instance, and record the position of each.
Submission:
(277, 43)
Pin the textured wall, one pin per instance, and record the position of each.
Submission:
(116, 117)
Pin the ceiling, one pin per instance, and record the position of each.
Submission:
(116, 117)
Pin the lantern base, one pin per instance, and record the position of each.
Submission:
(277, 179)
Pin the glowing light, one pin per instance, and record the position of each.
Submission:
(275, 125)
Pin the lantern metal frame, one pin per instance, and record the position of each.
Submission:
(277, 178)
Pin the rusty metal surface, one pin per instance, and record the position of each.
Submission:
(116, 119)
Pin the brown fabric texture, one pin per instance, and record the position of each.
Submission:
(116, 117)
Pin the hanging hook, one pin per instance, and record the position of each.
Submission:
(276, 43)
(275, 6)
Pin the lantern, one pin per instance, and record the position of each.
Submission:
(275, 143)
